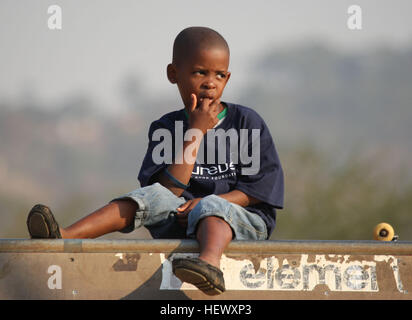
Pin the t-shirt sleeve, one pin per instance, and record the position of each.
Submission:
(261, 175)
(151, 166)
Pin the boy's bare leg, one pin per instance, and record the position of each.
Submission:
(113, 217)
(213, 234)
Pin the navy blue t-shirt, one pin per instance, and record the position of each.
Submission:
(238, 154)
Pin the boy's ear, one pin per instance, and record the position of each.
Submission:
(228, 74)
(171, 73)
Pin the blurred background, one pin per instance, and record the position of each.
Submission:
(76, 104)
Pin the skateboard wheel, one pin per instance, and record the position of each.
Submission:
(383, 232)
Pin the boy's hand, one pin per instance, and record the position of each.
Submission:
(203, 115)
(184, 210)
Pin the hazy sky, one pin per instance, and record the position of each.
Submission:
(101, 42)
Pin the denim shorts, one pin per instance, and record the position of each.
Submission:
(157, 212)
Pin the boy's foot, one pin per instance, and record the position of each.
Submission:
(41, 223)
(203, 275)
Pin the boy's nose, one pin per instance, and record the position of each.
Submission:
(209, 84)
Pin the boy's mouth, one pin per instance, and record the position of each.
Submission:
(206, 96)
(201, 98)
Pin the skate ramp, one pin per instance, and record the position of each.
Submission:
(141, 269)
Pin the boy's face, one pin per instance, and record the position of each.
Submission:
(204, 73)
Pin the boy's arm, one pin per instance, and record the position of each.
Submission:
(202, 117)
(182, 172)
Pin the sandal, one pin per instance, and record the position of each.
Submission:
(41, 223)
(203, 275)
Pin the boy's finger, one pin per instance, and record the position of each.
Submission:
(185, 212)
(193, 101)
(183, 206)
(204, 104)
(190, 207)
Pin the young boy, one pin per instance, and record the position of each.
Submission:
(213, 192)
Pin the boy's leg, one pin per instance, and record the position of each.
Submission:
(148, 206)
(213, 234)
(115, 216)
(214, 222)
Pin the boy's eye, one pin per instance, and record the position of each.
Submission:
(201, 72)
(221, 75)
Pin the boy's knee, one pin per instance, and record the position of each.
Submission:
(154, 191)
(211, 205)
(157, 187)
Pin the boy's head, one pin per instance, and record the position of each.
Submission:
(200, 64)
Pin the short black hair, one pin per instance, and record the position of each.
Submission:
(197, 38)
